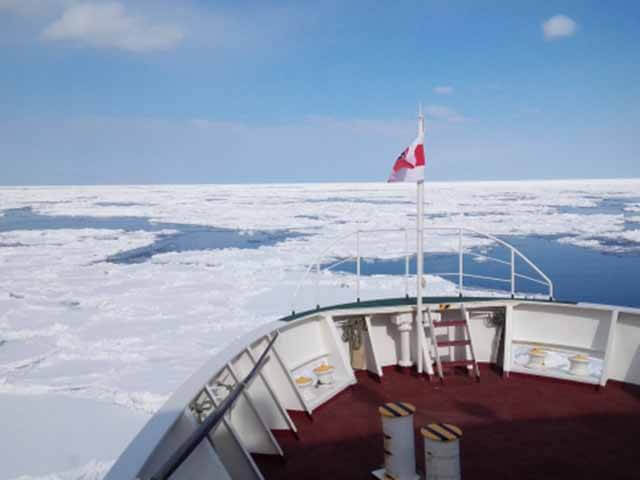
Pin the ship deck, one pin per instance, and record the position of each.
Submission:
(523, 427)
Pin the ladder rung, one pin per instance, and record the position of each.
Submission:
(451, 343)
(449, 323)
(457, 363)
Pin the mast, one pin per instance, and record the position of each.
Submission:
(420, 254)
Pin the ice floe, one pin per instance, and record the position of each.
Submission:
(76, 438)
(72, 324)
(94, 470)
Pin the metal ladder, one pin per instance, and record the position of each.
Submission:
(464, 322)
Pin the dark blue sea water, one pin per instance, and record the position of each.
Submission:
(188, 237)
(578, 274)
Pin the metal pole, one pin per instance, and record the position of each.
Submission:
(513, 273)
(317, 284)
(358, 265)
(460, 263)
(419, 268)
(406, 263)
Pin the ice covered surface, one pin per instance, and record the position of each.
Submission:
(73, 325)
(93, 470)
(58, 433)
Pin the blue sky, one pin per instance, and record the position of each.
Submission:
(230, 92)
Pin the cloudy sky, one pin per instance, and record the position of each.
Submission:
(198, 91)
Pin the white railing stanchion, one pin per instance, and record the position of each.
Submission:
(406, 263)
(317, 284)
(358, 265)
(460, 263)
(314, 267)
(513, 273)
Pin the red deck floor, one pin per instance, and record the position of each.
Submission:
(523, 427)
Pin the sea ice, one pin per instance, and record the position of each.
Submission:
(76, 326)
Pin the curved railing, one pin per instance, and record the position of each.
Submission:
(317, 266)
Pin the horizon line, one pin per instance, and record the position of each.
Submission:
(583, 179)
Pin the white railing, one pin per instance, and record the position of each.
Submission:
(315, 268)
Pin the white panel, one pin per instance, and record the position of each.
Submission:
(561, 325)
(247, 396)
(302, 343)
(343, 343)
(271, 389)
(485, 336)
(508, 338)
(250, 428)
(278, 376)
(387, 339)
(624, 364)
(259, 393)
(203, 462)
(373, 364)
(338, 356)
(609, 350)
(309, 343)
(236, 460)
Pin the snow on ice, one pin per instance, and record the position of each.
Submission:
(75, 326)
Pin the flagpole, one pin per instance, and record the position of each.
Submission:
(419, 257)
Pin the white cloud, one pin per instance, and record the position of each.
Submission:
(558, 26)
(441, 112)
(443, 89)
(109, 25)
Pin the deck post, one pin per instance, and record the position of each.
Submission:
(419, 273)
(374, 355)
(513, 273)
(420, 255)
(317, 285)
(358, 265)
(611, 338)
(406, 263)
(508, 339)
(460, 263)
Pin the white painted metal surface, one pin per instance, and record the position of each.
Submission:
(419, 268)
(609, 334)
(376, 367)
(399, 448)
(404, 324)
(442, 459)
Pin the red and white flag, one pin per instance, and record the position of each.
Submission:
(409, 166)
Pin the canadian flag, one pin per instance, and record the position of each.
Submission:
(409, 166)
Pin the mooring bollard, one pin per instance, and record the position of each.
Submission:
(442, 451)
(399, 444)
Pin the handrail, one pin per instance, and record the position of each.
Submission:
(514, 252)
(487, 257)
(340, 262)
(513, 249)
(530, 278)
(190, 444)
